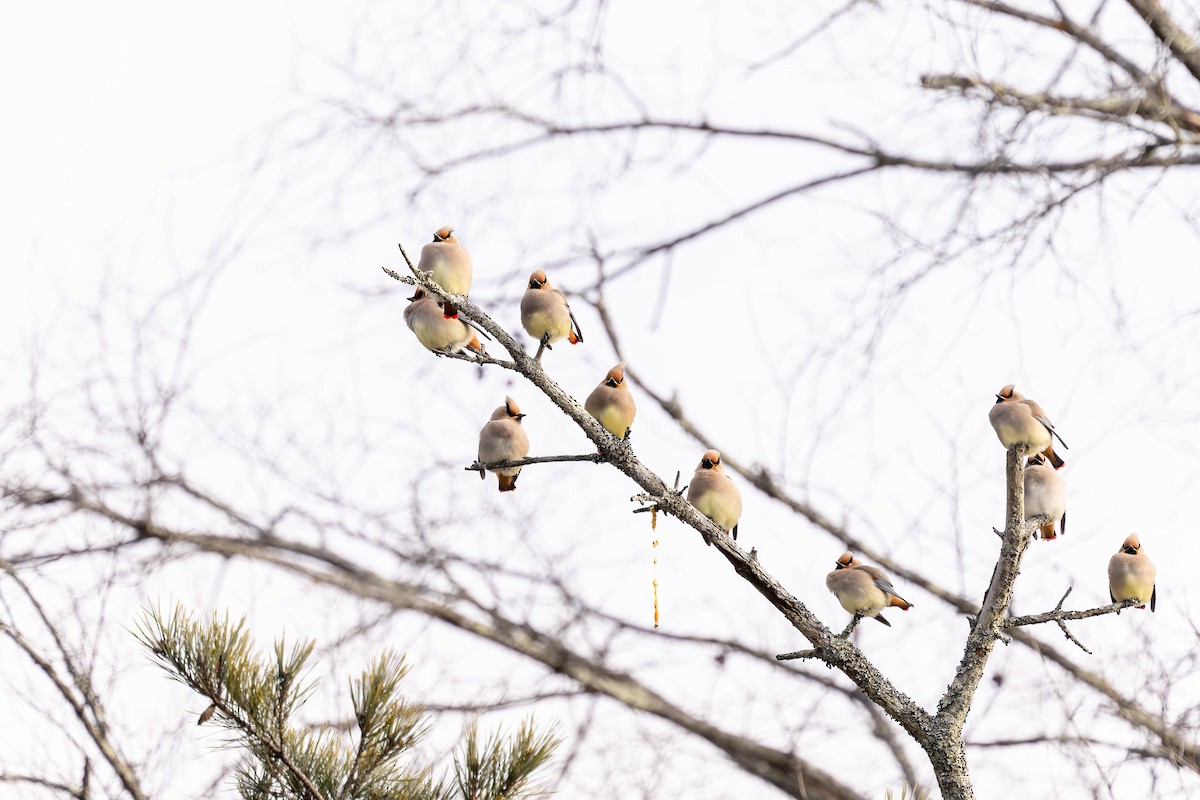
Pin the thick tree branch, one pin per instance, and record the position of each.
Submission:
(1181, 45)
(1066, 25)
(1177, 748)
(835, 651)
(950, 762)
(1112, 108)
(786, 771)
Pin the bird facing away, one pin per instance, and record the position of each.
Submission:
(1045, 495)
(545, 314)
(612, 404)
(435, 330)
(448, 263)
(1016, 418)
(1131, 574)
(503, 439)
(714, 495)
(863, 589)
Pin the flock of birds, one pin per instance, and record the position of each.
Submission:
(862, 589)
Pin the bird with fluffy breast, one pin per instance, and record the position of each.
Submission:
(1017, 419)
(714, 494)
(862, 589)
(503, 439)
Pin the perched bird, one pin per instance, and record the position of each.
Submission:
(448, 263)
(1016, 418)
(503, 439)
(714, 495)
(545, 314)
(1131, 574)
(863, 589)
(612, 404)
(435, 330)
(1045, 495)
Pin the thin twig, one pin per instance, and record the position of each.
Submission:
(845, 634)
(594, 458)
(475, 358)
(1058, 614)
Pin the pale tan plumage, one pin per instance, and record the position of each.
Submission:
(448, 263)
(503, 439)
(435, 330)
(545, 314)
(1045, 495)
(1016, 418)
(1131, 574)
(863, 589)
(714, 495)
(612, 404)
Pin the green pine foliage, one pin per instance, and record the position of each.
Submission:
(254, 699)
(918, 793)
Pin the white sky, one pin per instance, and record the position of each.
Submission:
(145, 143)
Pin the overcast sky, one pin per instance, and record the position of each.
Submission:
(174, 169)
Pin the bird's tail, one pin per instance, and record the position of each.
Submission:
(1055, 461)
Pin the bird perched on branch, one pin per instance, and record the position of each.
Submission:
(448, 263)
(436, 330)
(546, 315)
(612, 404)
(503, 439)
(714, 494)
(863, 589)
(1131, 574)
(1045, 495)
(1017, 419)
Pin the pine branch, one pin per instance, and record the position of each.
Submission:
(257, 698)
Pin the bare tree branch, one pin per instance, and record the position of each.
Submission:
(62, 788)
(594, 458)
(87, 708)
(1173, 37)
